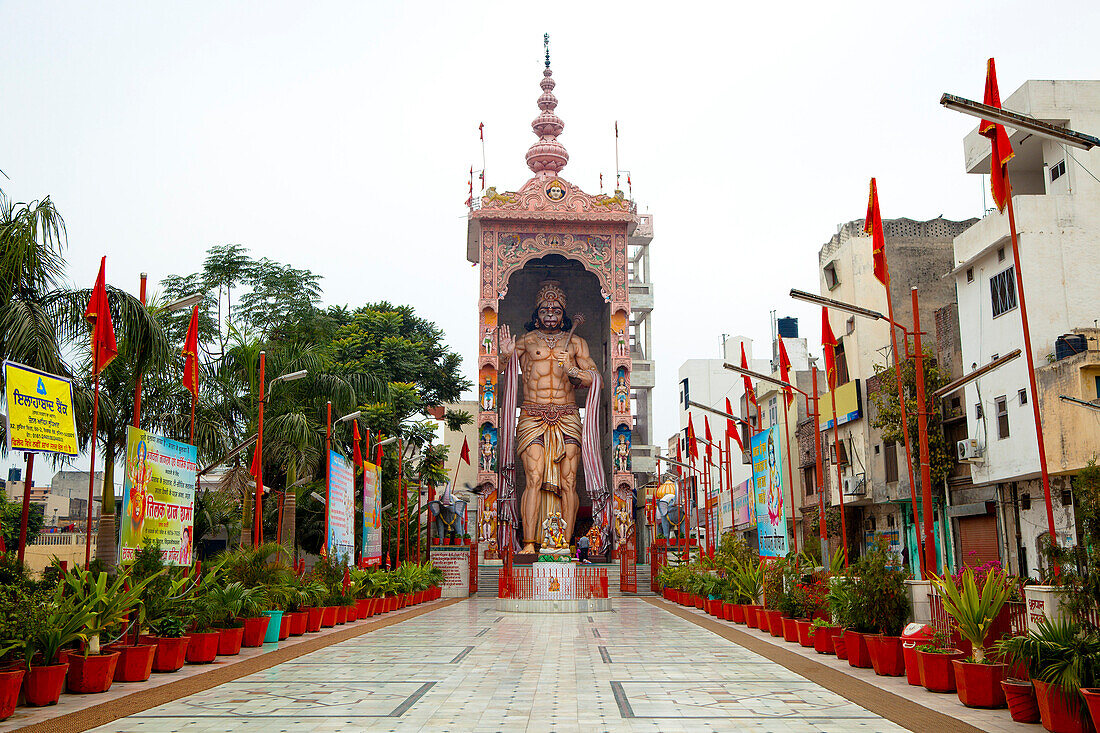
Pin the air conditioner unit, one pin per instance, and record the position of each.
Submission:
(968, 450)
(854, 486)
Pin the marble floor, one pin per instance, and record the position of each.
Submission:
(469, 667)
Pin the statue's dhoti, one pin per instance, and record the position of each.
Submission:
(553, 427)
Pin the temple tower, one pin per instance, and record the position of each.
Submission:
(597, 247)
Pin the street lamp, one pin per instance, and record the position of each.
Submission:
(286, 378)
(257, 523)
(1082, 403)
(181, 303)
(967, 379)
(233, 453)
(1018, 121)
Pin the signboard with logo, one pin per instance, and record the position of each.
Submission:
(767, 475)
(158, 496)
(848, 406)
(744, 505)
(41, 418)
(372, 514)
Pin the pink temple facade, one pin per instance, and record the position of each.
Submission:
(549, 227)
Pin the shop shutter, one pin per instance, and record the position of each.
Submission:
(978, 540)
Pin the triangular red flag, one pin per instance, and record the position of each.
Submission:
(1001, 146)
(693, 449)
(828, 344)
(191, 354)
(378, 452)
(872, 225)
(254, 469)
(679, 460)
(785, 371)
(465, 456)
(750, 394)
(706, 434)
(731, 427)
(356, 452)
(98, 315)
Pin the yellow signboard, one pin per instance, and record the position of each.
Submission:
(41, 418)
(848, 405)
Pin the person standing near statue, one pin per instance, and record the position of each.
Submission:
(548, 436)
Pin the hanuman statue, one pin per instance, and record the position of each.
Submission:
(549, 436)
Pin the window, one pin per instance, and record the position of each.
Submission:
(1025, 501)
(1057, 170)
(956, 403)
(1097, 385)
(1002, 417)
(1003, 290)
(890, 457)
(808, 480)
(851, 325)
(843, 453)
(1023, 396)
(831, 279)
(978, 411)
(685, 396)
(970, 274)
(1067, 497)
(841, 364)
(773, 412)
(1000, 254)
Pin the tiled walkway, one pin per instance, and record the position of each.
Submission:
(469, 667)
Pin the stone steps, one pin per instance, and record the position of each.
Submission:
(488, 579)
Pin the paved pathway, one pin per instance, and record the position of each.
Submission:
(469, 667)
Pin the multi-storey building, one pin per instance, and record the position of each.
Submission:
(1057, 218)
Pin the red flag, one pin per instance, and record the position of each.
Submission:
(693, 449)
(706, 434)
(679, 460)
(785, 370)
(98, 315)
(356, 452)
(465, 452)
(254, 469)
(828, 343)
(191, 355)
(872, 225)
(378, 452)
(1002, 148)
(750, 395)
(481, 131)
(731, 427)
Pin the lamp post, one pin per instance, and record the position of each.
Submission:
(257, 520)
(1064, 135)
(877, 316)
(378, 448)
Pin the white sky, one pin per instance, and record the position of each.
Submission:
(338, 136)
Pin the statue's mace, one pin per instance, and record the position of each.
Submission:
(578, 319)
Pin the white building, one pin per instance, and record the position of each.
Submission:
(1057, 208)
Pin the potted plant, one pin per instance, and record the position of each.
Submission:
(466, 539)
(22, 612)
(934, 660)
(109, 604)
(232, 603)
(1062, 657)
(821, 632)
(974, 610)
(170, 606)
(1023, 706)
(774, 595)
(850, 619)
(883, 605)
(65, 621)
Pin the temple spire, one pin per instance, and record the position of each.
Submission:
(547, 156)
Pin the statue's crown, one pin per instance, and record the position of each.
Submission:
(551, 292)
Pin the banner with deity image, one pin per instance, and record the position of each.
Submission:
(767, 476)
(372, 514)
(341, 507)
(158, 496)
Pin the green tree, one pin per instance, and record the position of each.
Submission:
(11, 517)
(888, 412)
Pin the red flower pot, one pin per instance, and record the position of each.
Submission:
(737, 613)
(858, 653)
(727, 610)
(229, 641)
(341, 615)
(840, 646)
(886, 655)
(775, 623)
(284, 626)
(805, 629)
(352, 614)
(203, 647)
(912, 666)
(298, 620)
(363, 605)
(328, 618)
(937, 674)
(93, 673)
(823, 639)
(1060, 713)
(10, 682)
(790, 629)
(698, 601)
(708, 606)
(43, 684)
(1091, 696)
(255, 629)
(1022, 704)
(752, 617)
(171, 653)
(979, 685)
(135, 663)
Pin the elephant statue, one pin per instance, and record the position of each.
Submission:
(447, 519)
(669, 515)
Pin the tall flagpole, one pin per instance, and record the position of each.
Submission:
(819, 473)
(257, 520)
(91, 470)
(790, 467)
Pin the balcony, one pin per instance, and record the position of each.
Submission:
(641, 296)
(643, 233)
(642, 375)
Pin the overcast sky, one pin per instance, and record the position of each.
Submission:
(337, 136)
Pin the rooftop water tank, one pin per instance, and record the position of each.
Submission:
(1069, 344)
(788, 328)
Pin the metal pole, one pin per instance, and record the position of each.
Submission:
(257, 520)
(91, 470)
(1039, 441)
(819, 474)
(328, 469)
(27, 481)
(839, 480)
(790, 469)
(930, 565)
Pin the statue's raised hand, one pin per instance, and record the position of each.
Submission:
(507, 342)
